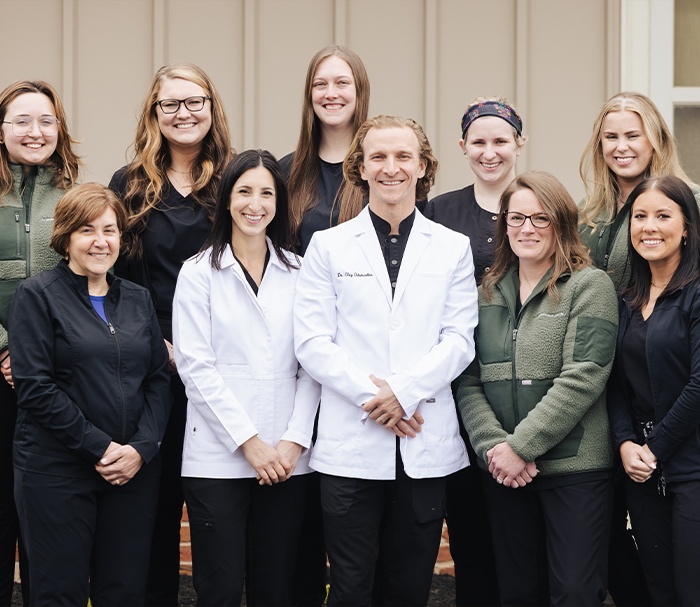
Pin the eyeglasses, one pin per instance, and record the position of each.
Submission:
(538, 220)
(171, 106)
(22, 125)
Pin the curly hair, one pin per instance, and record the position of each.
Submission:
(355, 157)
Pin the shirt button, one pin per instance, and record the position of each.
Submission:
(486, 269)
(489, 240)
(494, 217)
(394, 262)
(394, 241)
(393, 285)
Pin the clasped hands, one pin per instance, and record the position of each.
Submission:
(508, 468)
(272, 464)
(119, 464)
(638, 460)
(385, 409)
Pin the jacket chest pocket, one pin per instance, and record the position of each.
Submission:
(12, 238)
(494, 335)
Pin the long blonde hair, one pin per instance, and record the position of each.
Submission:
(64, 162)
(146, 176)
(304, 174)
(602, 189)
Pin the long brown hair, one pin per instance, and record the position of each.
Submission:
(146, 176)
(602, 189)
(570, 254)
(304, 173)
(64, 162)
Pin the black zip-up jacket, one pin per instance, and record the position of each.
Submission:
(673, 359)
(82, 383)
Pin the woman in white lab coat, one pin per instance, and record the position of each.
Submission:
(250, 406)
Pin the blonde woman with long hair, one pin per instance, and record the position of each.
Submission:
(181, 148)
(630, 141)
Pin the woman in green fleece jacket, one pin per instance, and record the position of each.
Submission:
(37, 166)
(533, 401)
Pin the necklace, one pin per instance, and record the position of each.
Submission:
(663, 286)
(183, 183)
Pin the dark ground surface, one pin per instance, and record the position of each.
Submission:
(442, 593)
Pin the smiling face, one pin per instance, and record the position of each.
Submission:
(657, 228)
(491, 149)
(183, 129)
(391, 166)
(94, 247)
(35, 148)
(533, 246)
(626, 148)
(333, 94)
(253, 203)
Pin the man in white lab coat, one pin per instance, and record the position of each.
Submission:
(384, 316)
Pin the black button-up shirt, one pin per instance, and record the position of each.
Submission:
(392, 245)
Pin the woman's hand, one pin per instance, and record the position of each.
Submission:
(639, 462)
(506, 466)
(290, 452)
(119, 464)
(269, 464)
(172, 367)
(6, 368)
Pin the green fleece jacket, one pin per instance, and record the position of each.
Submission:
(26, 219)
(538, 381)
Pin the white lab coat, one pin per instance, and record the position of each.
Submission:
(346, 326)
(235, 354)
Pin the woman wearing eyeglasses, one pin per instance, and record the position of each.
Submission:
(533, 402)
(181, 148)
(37, 166)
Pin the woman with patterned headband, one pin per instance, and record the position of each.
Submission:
(492, 138)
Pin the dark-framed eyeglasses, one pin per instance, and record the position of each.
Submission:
(22, 124)
(193, 104)
(538, 220)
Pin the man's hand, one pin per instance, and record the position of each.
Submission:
(270, 466)
(383, 407)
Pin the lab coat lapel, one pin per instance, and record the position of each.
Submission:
(369, 243)
(418, 241)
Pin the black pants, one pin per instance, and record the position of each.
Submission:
(667, 529)
(164, 567)
(576, 523)
(9, 523)
(85, 537)
(242, 530)
(392, 528)
(626, 582)
(470, 536)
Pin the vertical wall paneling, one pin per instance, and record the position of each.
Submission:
(340, 22)
(160, 30)
(522, 74)
(613, 53)
(430, 91)
(68, 85)
(250, 93)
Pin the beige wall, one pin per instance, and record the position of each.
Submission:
(555, 59)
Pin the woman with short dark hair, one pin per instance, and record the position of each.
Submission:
(90, 370)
